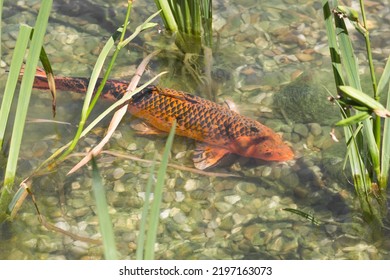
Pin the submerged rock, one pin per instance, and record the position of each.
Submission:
(305, 100)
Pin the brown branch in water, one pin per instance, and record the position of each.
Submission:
(52, 227)
(176, 166)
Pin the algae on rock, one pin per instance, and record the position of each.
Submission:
(305, 100)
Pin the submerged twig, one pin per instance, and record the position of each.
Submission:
(176, 166)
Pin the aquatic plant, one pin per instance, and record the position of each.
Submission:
(105, 225)
(190, 21)
(24, 97)
(148, 237)
(364, 119)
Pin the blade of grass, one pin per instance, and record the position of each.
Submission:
(385, 156)
(23, 101)
(141, 235)
(347, 54)
(91, 86)
(332, 41)
(365, 100)
(385, 78)
(1, 12)
(353, 119)
(168, 18)
(50, 78)
(207, 19)
(158, 191)
(110, 252)
(13, 76)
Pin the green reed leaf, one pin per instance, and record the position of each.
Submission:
(24, 100)
(353, 119)
(384, 80)
(347, 55)
(365, 100)
(158, 191)
(110, 252)
(332, 42)
(13, 77)
(144, 217)
(385, 156)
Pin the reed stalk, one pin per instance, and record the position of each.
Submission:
(24, 97)
(361, 114)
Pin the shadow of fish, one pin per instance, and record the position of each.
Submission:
(218, 130)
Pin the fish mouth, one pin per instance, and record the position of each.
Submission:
(278, 154)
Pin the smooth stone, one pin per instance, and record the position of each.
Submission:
(232, 199)
(191, 185)
(222, 207)
(132, 147)
(118, 173)
(304, 57)
(301, 129)
(179, 196)
(248, 188)
(119, 187)
(179, 217)
(315, 129)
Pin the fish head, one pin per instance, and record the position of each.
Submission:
(269, 146)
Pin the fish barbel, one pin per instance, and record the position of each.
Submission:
(218, 130)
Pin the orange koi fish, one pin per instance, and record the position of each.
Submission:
(218, 130)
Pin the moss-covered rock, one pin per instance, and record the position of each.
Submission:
(305, 100)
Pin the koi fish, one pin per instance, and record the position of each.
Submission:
(218, 130)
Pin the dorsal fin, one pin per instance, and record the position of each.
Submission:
(181, 95)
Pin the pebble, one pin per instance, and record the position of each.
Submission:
(304, 57)
(119, 187)
(76, 185)
(223, 207)
(315, 129)
(132, 147)
(248, 188)
(199, 194)
(232, 199)
(301, 129)
(179, 196)
(63, 225)
(179, 217)
(118, 173)
(191, 185)
(266, 171)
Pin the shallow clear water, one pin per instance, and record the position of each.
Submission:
(258, 53)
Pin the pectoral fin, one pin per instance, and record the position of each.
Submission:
(143, 128)
(206, 156)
